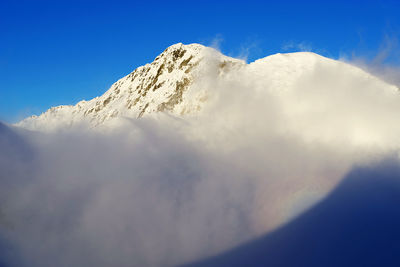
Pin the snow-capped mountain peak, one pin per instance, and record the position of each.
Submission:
(160, 86)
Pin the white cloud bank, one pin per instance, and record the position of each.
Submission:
(276, 136)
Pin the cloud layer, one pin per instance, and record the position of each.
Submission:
(275, 137)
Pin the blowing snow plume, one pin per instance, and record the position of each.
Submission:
(187, 157)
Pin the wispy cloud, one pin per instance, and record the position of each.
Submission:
(384, 63)
(297, 46)
(216, 42)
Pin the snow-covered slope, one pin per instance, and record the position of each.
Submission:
(168, 84)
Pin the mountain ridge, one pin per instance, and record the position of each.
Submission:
(166, 85)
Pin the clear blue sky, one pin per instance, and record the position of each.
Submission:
(59, 52)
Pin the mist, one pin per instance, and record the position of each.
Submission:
(383, 63)
(165, 190)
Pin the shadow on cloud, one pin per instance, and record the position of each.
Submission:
(356, 225)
